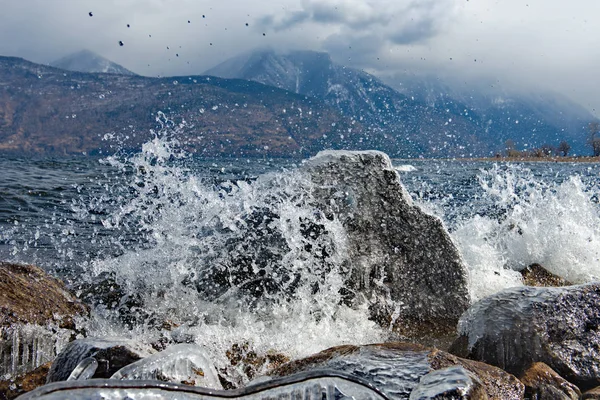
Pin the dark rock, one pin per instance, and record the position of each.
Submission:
(397, 251)
(536, 275)
(112, 354)
(396, 368)
(29, 295)
(543, 383)
(449, 383)
(593, 394)
(519, 326)
(36, 317)
(15, 387)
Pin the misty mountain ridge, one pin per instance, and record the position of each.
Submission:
(88, 61)
(400, 125)
(514, 113)
(489, 116)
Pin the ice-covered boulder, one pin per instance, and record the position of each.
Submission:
(396, 250)
(398, 368)
(519, 326)
(18, 385)
(182, 363)
(449, 383)
(36, 318)
(111, 355)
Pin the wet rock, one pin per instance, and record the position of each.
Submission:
(449, 383)
(519, 326)
(245, 364)
(397, 368)
(536, 275)
(111, 354)
(543, 383)
(12, 388)
(182, 363)
(593, 394)
(398, 252)
(37, 316)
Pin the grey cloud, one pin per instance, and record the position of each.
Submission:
(414, 32)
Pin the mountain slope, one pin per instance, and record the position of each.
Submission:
(44, 109)
(398, 124)
(420, 115)
(87, 61)
(530, 119)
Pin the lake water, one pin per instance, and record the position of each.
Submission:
(158, 221)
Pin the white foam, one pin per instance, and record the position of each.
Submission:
(555, 225)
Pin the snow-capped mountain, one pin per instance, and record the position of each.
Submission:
(88, 61)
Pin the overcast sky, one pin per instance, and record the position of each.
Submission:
(551, 44)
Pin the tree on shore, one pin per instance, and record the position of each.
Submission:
(563, 148)
(594, 137)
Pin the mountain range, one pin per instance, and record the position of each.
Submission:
(48, 110)
(436, 117)
(88, 61)
(270, 103)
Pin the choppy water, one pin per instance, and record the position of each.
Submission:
(159, 223)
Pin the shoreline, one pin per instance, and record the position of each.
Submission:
(568, 159)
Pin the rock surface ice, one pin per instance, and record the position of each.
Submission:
(111, 354)
(182, 363)
(36, 317)
(449, 383)
(397, 368)
(519, 326)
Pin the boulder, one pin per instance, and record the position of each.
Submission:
(111, 354)
(593, 394)
(397, 251)
(536, 275)
(14, 387)
(37, 318)
(449, 383)
(187, 364)
(543, 383)
(519, 326)
(398, 368)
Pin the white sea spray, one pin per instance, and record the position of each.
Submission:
(527, 220)
(202, 248)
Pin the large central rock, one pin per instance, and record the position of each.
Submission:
(397, 251)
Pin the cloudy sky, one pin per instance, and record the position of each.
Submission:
(548, 44)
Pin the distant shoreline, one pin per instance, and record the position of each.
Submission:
(568, 159)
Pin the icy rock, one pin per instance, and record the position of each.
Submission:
(182, 363)
(36, 317)
(397, 368)
(519, 326)
(449, 383)
(543, 383)
(111, 354)
(14, 387)
(397, 250)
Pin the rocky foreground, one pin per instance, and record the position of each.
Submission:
(530, 342)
